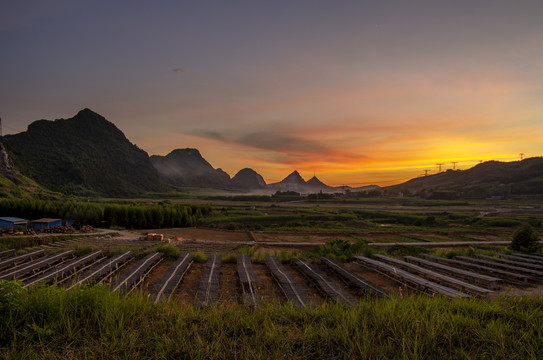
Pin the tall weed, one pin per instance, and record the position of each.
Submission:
(92, 322)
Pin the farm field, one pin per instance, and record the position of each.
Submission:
(203, 243)
(200, 280)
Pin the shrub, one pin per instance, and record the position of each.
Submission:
(430, 220)
(199, 257)
(229, 258)
(525, 240)
(338, 249)
(169, 251)
(406, 250)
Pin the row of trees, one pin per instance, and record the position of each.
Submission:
(155, 216)
(136, 216)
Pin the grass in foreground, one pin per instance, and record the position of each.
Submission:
(50, 323)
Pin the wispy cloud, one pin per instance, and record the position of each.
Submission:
(266, 140)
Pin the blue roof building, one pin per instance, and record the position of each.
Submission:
(12, 222)
(45, 223)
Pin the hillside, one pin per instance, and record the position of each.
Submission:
(83, 155)
(293, 182)
(248, 179)
(15, 185)
(187, 167)
(315, 185)
(492, 178)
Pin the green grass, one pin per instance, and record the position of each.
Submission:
(406, 214)
(49, 323)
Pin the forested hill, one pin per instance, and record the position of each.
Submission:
(491, 178)
(84, 155)
(187, 167)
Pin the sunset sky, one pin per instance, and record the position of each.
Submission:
(358, 92)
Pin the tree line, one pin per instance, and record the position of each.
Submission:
(135, 216)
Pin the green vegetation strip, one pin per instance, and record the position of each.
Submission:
(48, 322)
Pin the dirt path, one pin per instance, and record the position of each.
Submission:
(188, 287)
(229, 285)
(312, 292)
(378, 279)
(202, 234)
(266, 286)
(341, 283)
(156, 275)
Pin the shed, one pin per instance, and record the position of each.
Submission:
(12, 222)
(45, 223)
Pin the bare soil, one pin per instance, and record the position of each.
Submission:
(124, 270)
(202, 234)
(188, 287)
(266, 286)
(207, 247)
(511, 290)
(342, 284)
(309, 288)
(229, 286)
(379, 279)
(156, 275)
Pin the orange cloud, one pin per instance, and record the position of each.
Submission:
(372, 132)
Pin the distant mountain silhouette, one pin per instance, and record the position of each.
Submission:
(87, 155)
(187, 167)
(295, 182)
(83, 155)
(248, 179)
(316, 185)
(491, 178)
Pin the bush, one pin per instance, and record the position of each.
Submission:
(500, 222)
(338, 249)
(525, 240)
(199, 257)
(406, 250)
(169, 251)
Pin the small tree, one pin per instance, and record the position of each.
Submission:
(525, 240)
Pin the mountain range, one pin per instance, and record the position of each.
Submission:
(491, 178)
(87, 155)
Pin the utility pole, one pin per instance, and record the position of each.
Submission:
(440, 164)
(426, 172)
(521, 155)
(454, 164)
